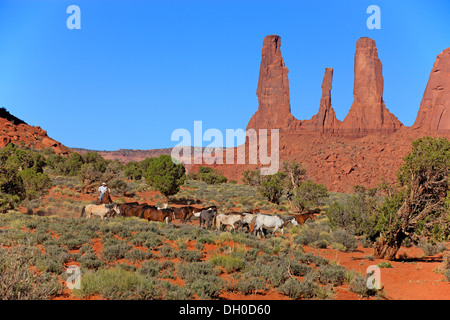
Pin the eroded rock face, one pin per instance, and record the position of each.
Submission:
(274, 109)
(434, 111)
(368, 113)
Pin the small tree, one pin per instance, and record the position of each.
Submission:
(165, 175)
(419, 202)
(251, 177)
(272, 186)
(309, 195)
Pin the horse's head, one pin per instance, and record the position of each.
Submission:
(294, 221)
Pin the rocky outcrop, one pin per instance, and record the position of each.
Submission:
(18, 132)
(325, 120)
(368, 113)
(274, 109)
(434, 111)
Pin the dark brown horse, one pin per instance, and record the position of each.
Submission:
(137, 210)
(182, 213)
(154, 214)
(106, 198)
(124, 207)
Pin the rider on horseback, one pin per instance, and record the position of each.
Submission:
(102, 189)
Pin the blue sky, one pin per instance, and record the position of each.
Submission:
(138, 70)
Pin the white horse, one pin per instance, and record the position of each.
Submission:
(261, 221)
(101, 210)
(228, 220)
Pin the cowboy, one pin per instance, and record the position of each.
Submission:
(102, 189)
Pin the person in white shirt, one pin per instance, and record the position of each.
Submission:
(102, 189)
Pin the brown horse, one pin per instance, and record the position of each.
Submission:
(182, 213)
(137, 210)
(125, 207)
(154, 214)
(302, 217)
(106, 198)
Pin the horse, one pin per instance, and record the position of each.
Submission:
(124, 207)
(102, 210)
(207, 218)
(261, 221)
(195, 212)
(228, 220)
(245, 220)
(152, 213)
(182, 213)
(136, 210)
(302, 217)
(106, 198)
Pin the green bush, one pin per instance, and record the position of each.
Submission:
(117, 283)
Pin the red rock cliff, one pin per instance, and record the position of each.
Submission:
(434, 111)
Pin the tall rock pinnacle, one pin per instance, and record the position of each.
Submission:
(325, 120)
(434, 111)
(274, 109)
(368, 113)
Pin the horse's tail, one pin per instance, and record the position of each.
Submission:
(83, 211)
(251, 227)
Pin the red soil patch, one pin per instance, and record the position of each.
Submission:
(414, 278)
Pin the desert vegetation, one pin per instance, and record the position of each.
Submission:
(42, 234)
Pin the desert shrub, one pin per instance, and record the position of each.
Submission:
(229, 263)
(314, 234)
(430, 249)
(166, 251)
(298, 269)
(174, 292)
(344, 238)
(150, 268)
(19, 281)
(275, 272)
(153, 242)
(249, 285)
(296, 289)
(201, 278)
(90, 261)
(356, 213)
(331, 274)
(189, 255)
(358, 285)
(115, 251)
(251, 177)
(117, 283)
(53, 260)
(137, 255)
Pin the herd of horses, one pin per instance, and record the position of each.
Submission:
(253, 221)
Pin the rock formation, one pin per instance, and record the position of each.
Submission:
(274, 109)
(368, 113)
(325, 120)
(434, 111)
(18, 132)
